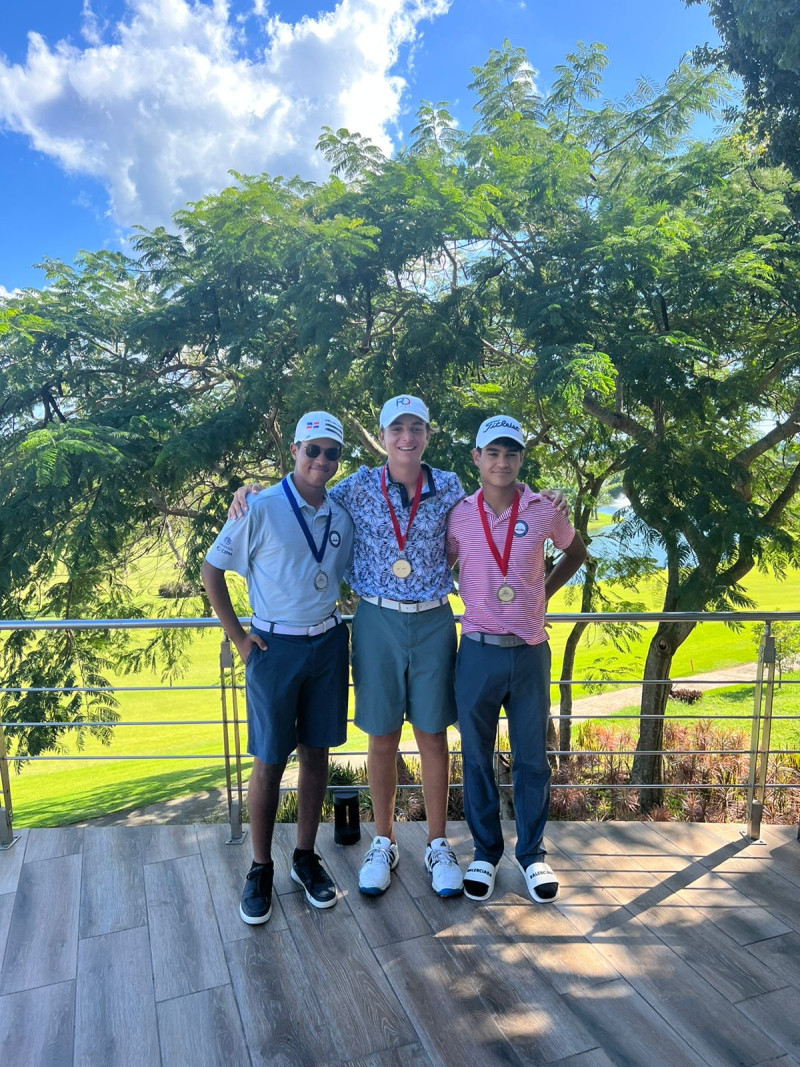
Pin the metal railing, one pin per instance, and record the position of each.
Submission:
(761, 719)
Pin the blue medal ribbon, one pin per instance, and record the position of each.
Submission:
(317, 553)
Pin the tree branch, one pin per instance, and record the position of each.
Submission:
(158, 501)
(370, 443)
(615, 420)
(778, 506)
(782, 432)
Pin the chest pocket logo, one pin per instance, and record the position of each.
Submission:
(335, 538)
(520, 528)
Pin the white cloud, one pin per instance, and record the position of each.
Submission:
(162, 105)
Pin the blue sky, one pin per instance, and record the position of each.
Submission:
(117, 112)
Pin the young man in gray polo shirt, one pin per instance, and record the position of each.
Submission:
(404, 639)
(293, 549)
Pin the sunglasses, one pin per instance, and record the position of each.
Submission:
(331, 454)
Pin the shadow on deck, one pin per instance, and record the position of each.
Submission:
(671, 943)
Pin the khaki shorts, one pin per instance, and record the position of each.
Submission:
(403, 666)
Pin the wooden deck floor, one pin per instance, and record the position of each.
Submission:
(670, 944)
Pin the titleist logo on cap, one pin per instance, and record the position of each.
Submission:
(499, 426)
(495, 424)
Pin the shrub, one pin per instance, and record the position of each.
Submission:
(686, 696)
(177, 590)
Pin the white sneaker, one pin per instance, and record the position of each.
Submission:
(442, 865)
(376, 870)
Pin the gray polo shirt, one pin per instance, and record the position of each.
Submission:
(267, 547)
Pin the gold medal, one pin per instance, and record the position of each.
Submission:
(401, 568)
(320, 580)
(506, 593)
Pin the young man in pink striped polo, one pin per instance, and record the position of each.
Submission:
(498, 536)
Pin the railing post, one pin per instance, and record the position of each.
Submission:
(234, 805)
(766, 723)
(7, 837)
(237, 805)
(758, 766)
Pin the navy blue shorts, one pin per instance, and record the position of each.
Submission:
(297, 693)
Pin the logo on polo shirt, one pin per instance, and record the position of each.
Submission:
(520, 528)
(227, 540)
(335, 538)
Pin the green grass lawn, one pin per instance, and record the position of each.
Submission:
(63, 791)
(731, 710)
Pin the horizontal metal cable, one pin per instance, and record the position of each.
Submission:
(667, 752)
(12, 724)
(112, 688)
(670, 718)
(738, 786)
(719, 683)
(144, 722)
(80, 759)
(415, 753)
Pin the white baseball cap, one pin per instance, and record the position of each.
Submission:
(499, 426)
(403, 405)
(318, 424)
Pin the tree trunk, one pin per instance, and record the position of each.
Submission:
(565, 689)
(570, 649)
(505, 785)
(648, 769)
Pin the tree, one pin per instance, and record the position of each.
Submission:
(761, 43)
(634, 300)
(137, 392)
(658, 289)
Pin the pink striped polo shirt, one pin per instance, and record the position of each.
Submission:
(480, 577)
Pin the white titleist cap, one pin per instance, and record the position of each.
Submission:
(319, 424)
(499, 426)
(403, 405)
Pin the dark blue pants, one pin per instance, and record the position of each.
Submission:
(518, 678)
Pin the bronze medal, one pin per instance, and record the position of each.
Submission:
(401, 568)
(505, 594)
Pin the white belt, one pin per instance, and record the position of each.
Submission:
(412, 606)
(297, 631)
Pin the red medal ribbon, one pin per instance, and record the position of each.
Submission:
(401, 537)
(502, 561)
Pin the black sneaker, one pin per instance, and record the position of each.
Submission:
(318, 884)
(256, 904)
